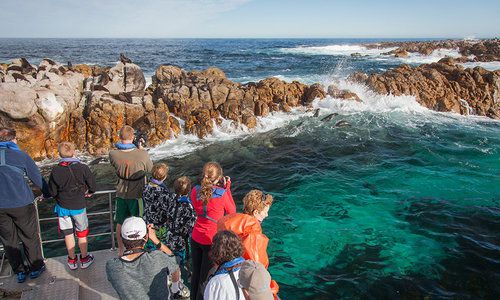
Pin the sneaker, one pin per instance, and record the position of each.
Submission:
(182, 293)
(86, 261)
(73, 263)
(37, 273)
(21, 277)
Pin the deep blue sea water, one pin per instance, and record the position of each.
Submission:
(403, 204)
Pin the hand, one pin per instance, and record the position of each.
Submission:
(228, 179)
(88, 195)
(40, 198)
(152, 234)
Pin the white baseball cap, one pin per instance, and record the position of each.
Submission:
(133, 229)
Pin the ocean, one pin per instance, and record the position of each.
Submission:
(402, 204)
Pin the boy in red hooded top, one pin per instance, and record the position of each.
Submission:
(247, 226)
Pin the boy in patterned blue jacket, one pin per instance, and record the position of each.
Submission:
(171, 213)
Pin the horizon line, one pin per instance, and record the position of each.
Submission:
(257, 38)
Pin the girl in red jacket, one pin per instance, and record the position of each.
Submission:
(247, 226)
(211, 200)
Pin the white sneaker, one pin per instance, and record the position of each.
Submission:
(73, 263)
(182, 293)
(85, 262)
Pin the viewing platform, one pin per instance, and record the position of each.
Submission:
(58, 282)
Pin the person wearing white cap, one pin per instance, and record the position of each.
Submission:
(255, 281)
(140, 274)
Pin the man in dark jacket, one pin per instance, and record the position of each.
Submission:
(70, 183)
(18, 219)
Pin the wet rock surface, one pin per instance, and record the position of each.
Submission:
(441, 86)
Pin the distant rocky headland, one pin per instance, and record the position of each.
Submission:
(87, 105)
(471, 50)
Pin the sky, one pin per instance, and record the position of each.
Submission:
(249, 18)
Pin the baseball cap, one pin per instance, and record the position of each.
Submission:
(133, 229)
(254, 277)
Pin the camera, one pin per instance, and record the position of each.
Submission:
(140, 139)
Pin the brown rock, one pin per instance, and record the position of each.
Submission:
(442, 86)
(314, 91)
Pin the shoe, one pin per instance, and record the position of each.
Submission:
(86, 261)
(21, 277)
(73, 263)
(37, 273)
(182, 293)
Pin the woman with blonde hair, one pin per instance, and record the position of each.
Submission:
(247, 226)
(211, 200)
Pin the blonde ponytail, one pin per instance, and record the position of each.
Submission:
(212, 172)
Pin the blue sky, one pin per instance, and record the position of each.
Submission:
(249, 18)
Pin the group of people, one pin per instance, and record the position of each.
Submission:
(155, 225)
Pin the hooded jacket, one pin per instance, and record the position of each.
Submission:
(254, 241)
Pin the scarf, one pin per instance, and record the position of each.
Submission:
(223, 269)
(121, 146)
(10, 145)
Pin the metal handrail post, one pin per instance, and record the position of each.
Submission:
(39, 230)
(111, 224)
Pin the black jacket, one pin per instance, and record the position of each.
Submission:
(69, 182)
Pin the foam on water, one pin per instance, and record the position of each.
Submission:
(490, 65)
(340, 50)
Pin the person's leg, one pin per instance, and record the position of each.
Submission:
(26, 222)
(196, 257)
(120, 215)
(10, 241)
(70, 245)
(82, 230)
(206, 265)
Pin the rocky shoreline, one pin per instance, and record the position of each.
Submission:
(471, 50)
(87, 105)
(51, 103)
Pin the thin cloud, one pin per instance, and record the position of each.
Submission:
(112, 18)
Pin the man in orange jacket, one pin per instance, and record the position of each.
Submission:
(247, 226)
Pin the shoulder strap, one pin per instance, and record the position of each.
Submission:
(205, 215)
(235, 284)
(141, 177)
(78, 185)
(4, 164)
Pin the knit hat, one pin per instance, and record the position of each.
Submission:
(254, 277)
(134, 229)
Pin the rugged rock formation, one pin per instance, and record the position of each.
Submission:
(200, 96)
(87, 105)
(476, 50)
(337, 93)
(442, 86)
(51, 103)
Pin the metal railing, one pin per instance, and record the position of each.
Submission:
(91, 214)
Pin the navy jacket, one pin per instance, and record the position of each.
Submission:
(14, 188)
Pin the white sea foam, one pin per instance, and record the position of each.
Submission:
(435, 56)
(491, 65)
(336, 50)
(376, 54)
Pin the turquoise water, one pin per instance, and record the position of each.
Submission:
(385, 208)
(399, 205)
(403, 204)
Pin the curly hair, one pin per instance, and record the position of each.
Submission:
(256, 200)
(212, 173)
(226, 246)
